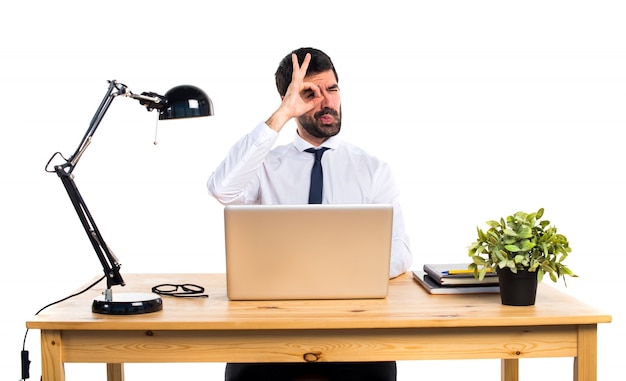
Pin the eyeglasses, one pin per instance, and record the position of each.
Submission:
(188, 290)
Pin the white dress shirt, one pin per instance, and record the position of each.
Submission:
(254, 173)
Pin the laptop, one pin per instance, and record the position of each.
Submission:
(307, 252)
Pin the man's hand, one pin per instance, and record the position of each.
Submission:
(300, 97)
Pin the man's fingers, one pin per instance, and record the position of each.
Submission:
(300, 71)
(294, 64)
(305, 64)
(310, 91)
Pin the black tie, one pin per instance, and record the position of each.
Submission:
(317, 182)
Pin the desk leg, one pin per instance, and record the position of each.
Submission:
(509, 370)
(586, 363)
(115, 372)
(52, 368)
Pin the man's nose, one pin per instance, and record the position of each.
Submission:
(328, 100)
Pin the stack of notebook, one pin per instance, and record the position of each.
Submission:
(454, 278)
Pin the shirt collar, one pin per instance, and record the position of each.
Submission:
(333, 142)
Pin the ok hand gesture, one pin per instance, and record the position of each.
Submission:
(300, 97)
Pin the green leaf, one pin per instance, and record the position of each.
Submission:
(527, 245)
(510, 232)
(525, 232)
(512, 248)
(540, 213)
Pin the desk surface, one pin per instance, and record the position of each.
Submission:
(409, 324)
(407, 306)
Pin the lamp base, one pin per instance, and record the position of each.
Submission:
(127, 304)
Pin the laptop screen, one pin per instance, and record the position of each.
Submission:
(307, 251)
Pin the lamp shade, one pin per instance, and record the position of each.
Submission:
(186, 101)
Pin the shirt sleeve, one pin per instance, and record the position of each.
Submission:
(401, 256)
(387, 192)
(235, 180)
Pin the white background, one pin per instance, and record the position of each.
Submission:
(482, 108)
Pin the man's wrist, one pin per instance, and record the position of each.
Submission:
(277, 121)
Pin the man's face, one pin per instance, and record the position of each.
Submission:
(323, 121)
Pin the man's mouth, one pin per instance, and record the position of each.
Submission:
(326, 119)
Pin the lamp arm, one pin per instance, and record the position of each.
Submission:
(95, 122)
(150, 100)
(110, 264)
(108, 260)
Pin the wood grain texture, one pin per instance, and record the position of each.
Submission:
(409, 324)
(406, 306)
(325, 345)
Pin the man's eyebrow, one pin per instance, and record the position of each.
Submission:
(333, 87)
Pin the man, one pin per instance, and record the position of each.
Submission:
(256, 173)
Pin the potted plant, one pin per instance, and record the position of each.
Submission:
(520, 248)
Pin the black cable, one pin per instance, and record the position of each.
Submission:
(24, 353)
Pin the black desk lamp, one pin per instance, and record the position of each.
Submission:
(179, 102)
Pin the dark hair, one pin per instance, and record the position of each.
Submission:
(320, 62)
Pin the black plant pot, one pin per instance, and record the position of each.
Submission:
(517, 289)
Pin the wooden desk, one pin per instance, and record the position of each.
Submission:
(408, 325)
